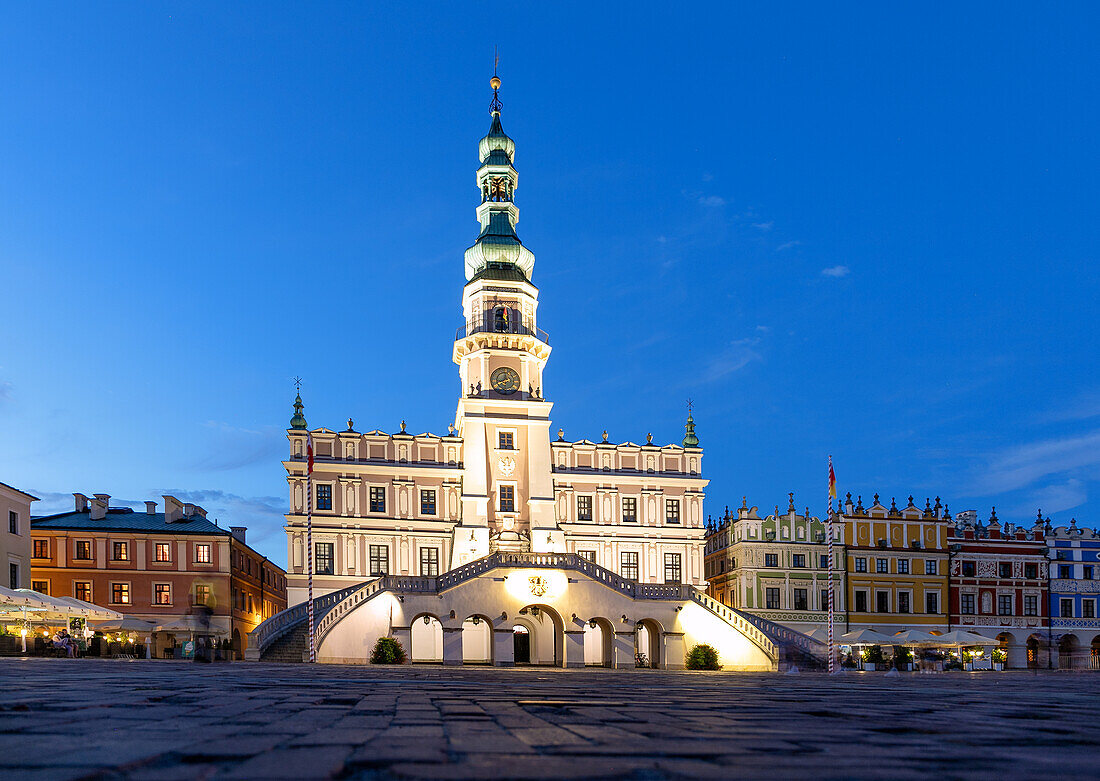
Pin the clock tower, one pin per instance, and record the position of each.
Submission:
(502, 417)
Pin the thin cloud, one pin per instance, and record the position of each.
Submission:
(836, 271)
(787, 245)
(5, 391)
(764, 226)
(1025, 465)
(712, 200)
(737, 356)
(1054, 498)
(1083, 407)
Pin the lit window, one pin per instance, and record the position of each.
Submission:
(629, 565)
(41, 586)
(202, 594)
(162, 593)
(82, 589)
(41, 549)
(163, 551)
(379, 560)
(120, 593)
(202, 553)
(83, 550)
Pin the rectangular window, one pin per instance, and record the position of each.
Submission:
(379, 560)
(202, 553)
(1004, 570)
(929, 566)
(162, 551)
(429, 562)
(41, 549)
(672, 510)
(931, 603)
(506, 440)
(83, 550)
(882, 565)
(771, 598)
(824, 561)
(584, 508)
(903, 566)
(966, 604)
(13, 575)
(587, 554)
(427, 501)
(120, 551)
(162, 593)
(798, 560)
(324, 497)
(903, 601)
(861, 601)
(824, 599)
(969, 569)
(1065, 608)
(41, 586)
(1031, 605)
(882, 600)
(507, 495)
(1065, 571)
(324, 558)
(771, 559)
(1004, 604)
(629, 565)
(1088, 608)
(82, 589)
(1088, 572)
(120, 593)
(378, 499)
(202, 594)
(673, 573)
(630, 509)
(861, 564)
(801, 601)
(13, 522)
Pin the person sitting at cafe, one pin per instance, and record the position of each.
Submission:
(64, 641)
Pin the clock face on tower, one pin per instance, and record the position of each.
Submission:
(505, 380)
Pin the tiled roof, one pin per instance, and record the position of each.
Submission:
(125, 519)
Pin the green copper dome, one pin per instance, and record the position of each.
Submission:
(690, 440)
(298, 421)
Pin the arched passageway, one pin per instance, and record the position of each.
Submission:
(1094, 654)
(1033, 653)
(599, 643)
(521, 644)
(238, 644)
(546, 632)
(1068, 652)
(477, 640)
(427, 639)
(647, 644)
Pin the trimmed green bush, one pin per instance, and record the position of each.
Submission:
(387, 651)
(702, 657)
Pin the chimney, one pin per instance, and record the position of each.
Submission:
(173, 509)
(238, 533)
(188, 509)
(199, 511)
(150, 508)
(99, 506)
(81, 503)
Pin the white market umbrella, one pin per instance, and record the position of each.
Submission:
(125, 624)
(820, 635)
(90, 611)
(11, 598)
(913, 637)
(192, 624)
(960, 637)
(865, 637)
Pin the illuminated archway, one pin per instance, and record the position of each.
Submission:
(648, 641)
(426, 639)
(477, 640)
(547, 634)
(599, 643)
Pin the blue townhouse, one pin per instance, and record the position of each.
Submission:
(1074, 593)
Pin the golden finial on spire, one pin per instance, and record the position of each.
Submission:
(495, 105)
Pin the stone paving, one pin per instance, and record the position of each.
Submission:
(108, 719)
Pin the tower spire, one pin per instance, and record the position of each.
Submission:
(298, 421)
(690, 440)
(495, 105)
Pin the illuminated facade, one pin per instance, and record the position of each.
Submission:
(896, 566)
(1074, 596)
(776, 567)
(424, 504)
(498, 542)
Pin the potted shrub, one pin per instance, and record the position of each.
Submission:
(873, 657)
(1000, 656)
(702, 657)
(903, 660)
(387, 651)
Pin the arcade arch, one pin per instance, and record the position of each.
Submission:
(599, 643)
(647, 640)
(426, 639)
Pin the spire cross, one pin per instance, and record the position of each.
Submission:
(298, 384)
(690, 405)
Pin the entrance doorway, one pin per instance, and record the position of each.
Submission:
(521, 644)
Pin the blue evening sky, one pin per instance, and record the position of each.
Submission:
(868, 232)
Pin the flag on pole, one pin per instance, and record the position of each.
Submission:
(309, 546)
(832, 479)
(309, 455)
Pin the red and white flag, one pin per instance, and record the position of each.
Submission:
(309, 454)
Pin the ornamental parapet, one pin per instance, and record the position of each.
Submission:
(1065, 586)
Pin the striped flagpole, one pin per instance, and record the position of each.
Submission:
(829, 532)
(309, 541)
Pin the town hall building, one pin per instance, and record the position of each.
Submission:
(617, 525)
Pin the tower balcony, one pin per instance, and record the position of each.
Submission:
(481, 326)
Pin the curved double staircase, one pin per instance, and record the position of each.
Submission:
(284, 636)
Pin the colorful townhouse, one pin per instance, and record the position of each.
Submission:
(896, 561)
(775, 567)
(1074, 591)
(997, 585)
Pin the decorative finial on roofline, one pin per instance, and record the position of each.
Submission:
(495, 104)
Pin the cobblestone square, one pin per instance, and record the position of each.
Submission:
(167, 720)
